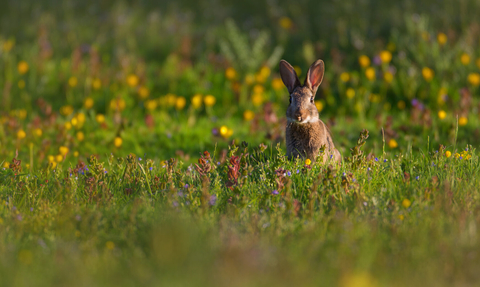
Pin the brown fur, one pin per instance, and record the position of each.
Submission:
(305, 132)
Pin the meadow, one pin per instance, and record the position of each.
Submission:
(143, 143)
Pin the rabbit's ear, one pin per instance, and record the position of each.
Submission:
(315, 75)
(289, 76)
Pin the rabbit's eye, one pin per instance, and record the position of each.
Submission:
(311, 100)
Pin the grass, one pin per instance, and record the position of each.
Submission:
(143, 143)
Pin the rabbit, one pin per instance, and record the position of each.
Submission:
(305, 133)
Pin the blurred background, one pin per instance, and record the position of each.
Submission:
(172, 79)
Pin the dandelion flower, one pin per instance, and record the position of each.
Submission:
(59, 158)
(308, 161)
(350, 93)
(66, 110)
(37, 132)
(388, 77)
(180, 103)
(370, 73)
(197, 101)
(442, 114)
(392, 143)
(80, 136)
(277, 84)
(441, 39)
(257, 99)
(223, 130)
(143, 92)
(21, 134)
(344, 77)
(100, 118)
(22, 67)
(462, 121)
(72, 81)
(132, 80)
(427, 74)
(75, 153)
(248, 115)
(285, 22)
(385, 56)
(474, 79)
(258, 89)
(209, 100)
(465, 59)
(406, 203)
(88, 104)
(151, 105)
(68, 126)
(364, 61)
(448, 153)
(249, 79)
(118, 142)
(63, 150)
(96, 84)
(230, 73)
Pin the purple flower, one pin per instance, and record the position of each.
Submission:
(215, 131)
(275, 192)
(376, 159)
(213, 200)
(186, 185)
(298, 170)
(377, 60)
(151, 168)
(385, 160)
(289, 173)
(417, 177)
(31, 208)
(139, 159)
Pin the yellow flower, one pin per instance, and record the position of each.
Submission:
(364, 61)
(462, 121)
(100, 118)
(22, 113)
(118, 104)
(308, 161)
(22, 67)
(63, 150)
(51, 158)
(151, 105)
(37, 132)
(374, 98)
(248, 115)
(66, 110)
(80, 136)
(180, 103)
(21, 134)
(474, 79)
(401, 105)
(81, 118)
(132, 80)
(53, 164)
(441, 39)
(406, 203)
(401, 217)
(75, 153)
(448, 153)
(8, 45)
(392, 143)
(110, 245)
(385, 56)
(370, 73)
(457, 155)
(143, 92)
(388, 77)
(197, 101)
(72, 81)
(442, 114)
(209, 100)
(319, 105)
(427, 74)
(344, 77)
(96, 83)
(225, 132)
(230, 73)
(257, 99)
(258, 89)
(59, 158)
(350, 93)
(21, 84)
(465, 59)
(298, 70)
(74, 121)
(88, 104)
(277, 84)
(68, 126)
(118, 141)
(171, 99)
(285, 22)
(249, 79)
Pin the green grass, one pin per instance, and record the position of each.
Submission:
(143, 144)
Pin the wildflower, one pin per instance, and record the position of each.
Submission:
(88, 104)
(151, 105)
(388, 77)
(225, 131)
(21, 134)
(406, 203)
(72, 81)
(257, 99)
(474, 79)
(457, 155)
(209, 100)
(385, 56)
(37, 132)
(118, 104)
(370, 73)
(21, 84)
(118, 142)
(401, 105)
(275, 192)
(364, 61)
(374, 98)
(197, 101)
(319, 105)
(96, 84)
(344, 77)
(22, 67)
(230, 73)
(465, 59)
(442, 114)
(68, 126)
(180, 103)
(100, 118)
(258, 89)
(51, 158)
(392, 143)
(74, 121)
(63, 150)
(59, 158)
(81, 118)
(441, 39)
(308, 161)
(277, 84)
(132, 80)
(417, 177)
(248, 115)
(289, 173)
(66, 110)
(427, 74)
(143, 92)
(462, 121)
(80, 136)
(350, 93)
(110, 245)
(401, 217)
(285, 22)
(75, 153)
(448, 153)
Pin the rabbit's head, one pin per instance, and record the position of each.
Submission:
(302, 109)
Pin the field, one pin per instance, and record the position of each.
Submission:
(143, 143)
